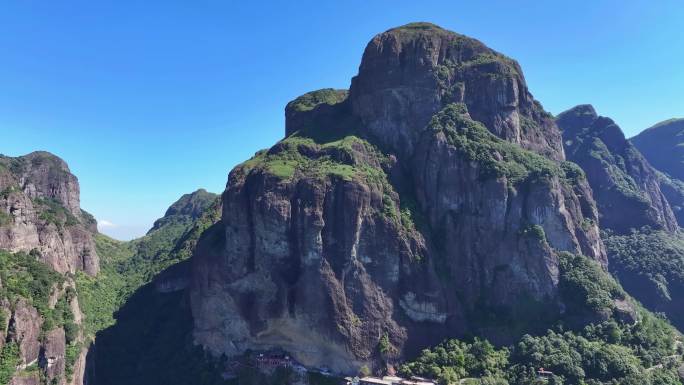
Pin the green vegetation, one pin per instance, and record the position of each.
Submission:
(496, 157)
(51, 211)
(534, 231)
(23, 276)
(61, 316)
(662, 146)
(650, 264)
(88, 218)
(143, 336)
(453, 360)
(291, 156)
(70, 356)
(127, 266)
(615, 166)
(5, 219)
(312, 99)
(385, 346)
(321, 154)
(584, 285)
(100, 296)
(602, 352)
(9, 359)
(654, 254)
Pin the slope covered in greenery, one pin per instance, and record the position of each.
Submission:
(650, 265)
(141, 335)
(645, 350)
(127, 266)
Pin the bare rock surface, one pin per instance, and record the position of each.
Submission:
(39, 210)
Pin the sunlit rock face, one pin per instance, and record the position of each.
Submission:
(40, 212)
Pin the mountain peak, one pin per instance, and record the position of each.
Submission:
(409, 73)
(192, 204)
(581, 110)
(189, 206)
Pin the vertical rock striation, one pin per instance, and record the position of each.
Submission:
(39, 210)
(44, 238)
(430, 201)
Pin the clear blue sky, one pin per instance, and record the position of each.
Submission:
(147, 100)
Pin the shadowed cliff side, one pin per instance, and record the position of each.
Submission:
(625, 186)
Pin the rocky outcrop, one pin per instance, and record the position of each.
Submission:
(625, 186)
(40, 220)
(24, 329)
(317, 106)
(431, 199)
(52, 355)
(39, 331)
(409, 73)
(661, 145)
(39, 210)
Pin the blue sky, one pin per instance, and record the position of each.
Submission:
(147, 100)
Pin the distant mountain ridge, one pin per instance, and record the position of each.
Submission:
(625, 186)
(188, 207)
(662, 145)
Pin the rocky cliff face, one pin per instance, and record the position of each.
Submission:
(431, 202)
(40, 323)
(39, 210)
(408, 74)
(46, 233)
(625, 186)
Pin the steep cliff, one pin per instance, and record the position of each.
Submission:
(40, 323)
(44, 238)
(408, 74)
(39, 210)
(625, 186)
(430, 201)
